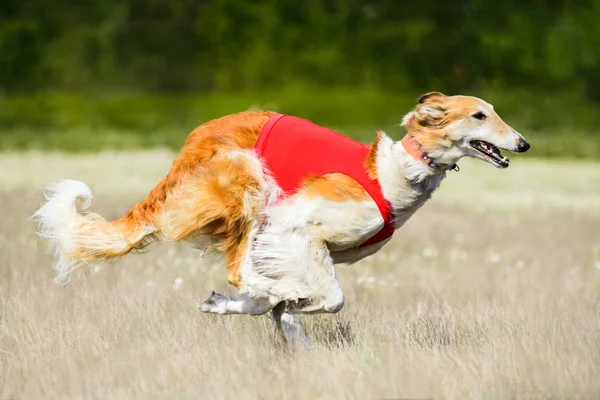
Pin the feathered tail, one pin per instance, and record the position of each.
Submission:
(76, 236)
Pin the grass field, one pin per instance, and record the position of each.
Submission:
(491, 291)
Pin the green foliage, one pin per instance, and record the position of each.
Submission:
(191, 45)
(74, 121)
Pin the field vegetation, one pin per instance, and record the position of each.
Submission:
(491, 291)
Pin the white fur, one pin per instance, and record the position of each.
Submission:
(407, 118)
(290, 254)
(283, 254)
(405, 182)
(344, 224)
(57, 219)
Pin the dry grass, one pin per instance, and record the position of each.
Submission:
(491, 291)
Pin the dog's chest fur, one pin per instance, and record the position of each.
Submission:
(406, 183)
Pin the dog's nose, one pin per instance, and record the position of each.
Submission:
(523, 147)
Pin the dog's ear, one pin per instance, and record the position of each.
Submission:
(430, 95)
(430, 114)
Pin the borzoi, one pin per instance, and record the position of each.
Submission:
(283, 200)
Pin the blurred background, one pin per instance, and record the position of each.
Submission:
(83, 75)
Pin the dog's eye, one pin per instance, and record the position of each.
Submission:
(479, 115)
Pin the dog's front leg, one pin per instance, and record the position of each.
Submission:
(332, 302)
(294, 266)
(289, 327)
(329, 298)
(218, 303)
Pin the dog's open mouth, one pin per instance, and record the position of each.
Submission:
(491, 152)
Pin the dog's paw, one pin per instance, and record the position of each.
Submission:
(216, 304)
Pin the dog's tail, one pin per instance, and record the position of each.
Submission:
(77, 236)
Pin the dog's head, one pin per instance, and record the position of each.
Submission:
(451, 127)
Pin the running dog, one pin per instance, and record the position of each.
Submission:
(283, 200)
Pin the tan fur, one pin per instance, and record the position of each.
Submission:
(206, 192)
(237, 131)
(334, 187)
(371, 161)
(220, 199)
(95, 226)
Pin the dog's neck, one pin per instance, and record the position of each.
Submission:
(406, 180)
(414, 148)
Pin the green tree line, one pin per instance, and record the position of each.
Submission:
(191, 45)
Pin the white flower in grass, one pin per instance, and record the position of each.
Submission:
(361, 279)
(177, 283)
(149, 284)
(430, 252)
(96, 269)
(520, 264)
(371, 280)
(493, 257)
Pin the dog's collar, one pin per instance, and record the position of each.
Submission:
(413, 148)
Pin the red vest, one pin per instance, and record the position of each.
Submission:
(294, 149)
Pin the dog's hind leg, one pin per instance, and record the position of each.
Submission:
(289, 327)
(218, 303)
